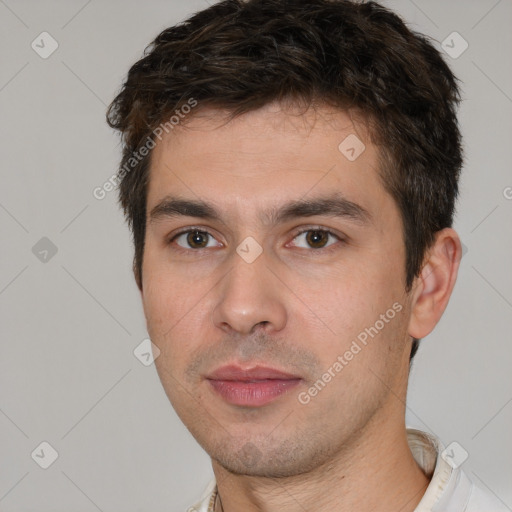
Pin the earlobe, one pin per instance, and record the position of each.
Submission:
(433, 287)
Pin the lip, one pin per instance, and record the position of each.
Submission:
(237, 373)
(251, 387)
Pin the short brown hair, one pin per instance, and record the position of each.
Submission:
(241, 55)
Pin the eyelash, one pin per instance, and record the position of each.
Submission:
(295, 235)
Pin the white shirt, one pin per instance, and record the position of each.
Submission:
(450, 489)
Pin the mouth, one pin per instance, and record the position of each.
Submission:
(251, 387)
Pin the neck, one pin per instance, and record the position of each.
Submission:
(376, 472)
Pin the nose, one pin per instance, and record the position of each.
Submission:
(250, 295)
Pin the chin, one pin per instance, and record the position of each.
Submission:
(253, 459)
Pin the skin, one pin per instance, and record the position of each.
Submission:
(295, 308)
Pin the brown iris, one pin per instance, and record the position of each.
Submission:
(317, 239)
(197, 239)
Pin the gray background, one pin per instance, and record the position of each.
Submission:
(70, 324)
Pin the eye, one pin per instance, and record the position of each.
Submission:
(316, 238)
(194, 239)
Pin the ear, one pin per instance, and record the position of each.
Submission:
(433, 287)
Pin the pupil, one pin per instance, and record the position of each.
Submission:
(197, 239)
(316, 238)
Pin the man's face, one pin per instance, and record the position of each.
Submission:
(323, 287)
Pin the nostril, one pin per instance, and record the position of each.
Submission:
(263, 325)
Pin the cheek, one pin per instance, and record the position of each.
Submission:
(362, 310)
(348, 297)
(167, 294)
(176, 309)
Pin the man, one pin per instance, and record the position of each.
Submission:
(289, 173)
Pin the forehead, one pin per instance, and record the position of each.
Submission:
(265, 157)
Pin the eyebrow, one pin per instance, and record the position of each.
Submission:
(332, 206)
